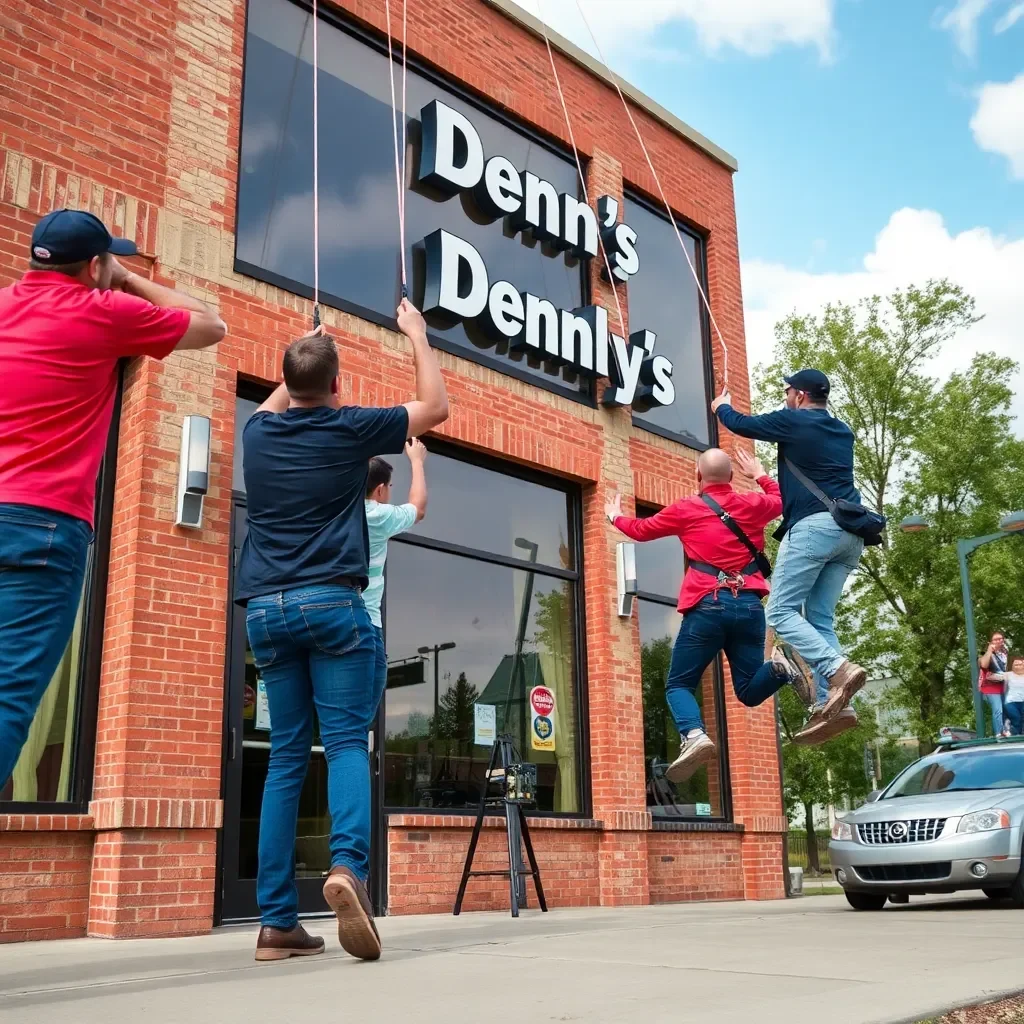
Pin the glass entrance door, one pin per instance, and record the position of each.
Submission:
(247, 747)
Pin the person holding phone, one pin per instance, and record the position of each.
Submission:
(990, 680)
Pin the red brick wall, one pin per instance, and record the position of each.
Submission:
(45, 863)
(426, 855)
(154, 153)
(695, 866)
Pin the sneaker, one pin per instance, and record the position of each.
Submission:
(843, 685)
(282, 943)
(349, 900)
(800, 683)
(694, 751)
(819, 729)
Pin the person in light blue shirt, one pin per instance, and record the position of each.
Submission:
(385, 520)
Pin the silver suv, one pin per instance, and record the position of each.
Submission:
(952, 820)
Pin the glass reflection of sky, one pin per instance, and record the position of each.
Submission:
(663, 298)
(479, 508)
(358, 203)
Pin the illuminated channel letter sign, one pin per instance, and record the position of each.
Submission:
(458, 287)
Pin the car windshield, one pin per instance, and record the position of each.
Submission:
(959, 771)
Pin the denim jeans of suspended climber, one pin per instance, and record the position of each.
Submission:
(815, 560)
(43, 557)
(724, 622)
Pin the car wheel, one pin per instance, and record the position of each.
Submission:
(865, 900)
(997, 894)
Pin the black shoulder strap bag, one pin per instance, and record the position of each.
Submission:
(759, 559)
(849, 515)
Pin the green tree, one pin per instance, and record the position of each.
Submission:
(454, 719)
(943, 451)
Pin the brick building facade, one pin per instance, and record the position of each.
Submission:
(136, 113)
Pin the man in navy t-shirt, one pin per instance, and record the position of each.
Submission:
(816, 556)
(301, 575)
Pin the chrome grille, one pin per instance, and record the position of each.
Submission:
(892, 833)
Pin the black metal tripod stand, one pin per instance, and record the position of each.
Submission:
(517, 783)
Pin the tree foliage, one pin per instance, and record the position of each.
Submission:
(946, 451)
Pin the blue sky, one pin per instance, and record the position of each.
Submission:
(879, 141)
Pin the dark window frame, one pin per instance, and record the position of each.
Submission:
(91, 662)
(644, 511)
(574, 504)
(633, 194)
(585, 392)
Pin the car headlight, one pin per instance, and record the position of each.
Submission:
(842, 832)
(984, 821)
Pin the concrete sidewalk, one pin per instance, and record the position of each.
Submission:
(806, 960)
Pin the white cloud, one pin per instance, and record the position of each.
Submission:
(998, 123)
(1010, 18)
(755, 27)
(915, 245)
(962, 21)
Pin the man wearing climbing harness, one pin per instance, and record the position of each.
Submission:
(301, 576)
(722, 532)
(817, 554)
(63, 328)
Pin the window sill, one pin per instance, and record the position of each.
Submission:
(490, 821)
(46, 823)
(697, 826)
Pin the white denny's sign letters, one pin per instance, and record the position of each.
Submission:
(457, 285)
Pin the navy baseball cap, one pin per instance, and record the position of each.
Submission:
(811, 382)
(69, 236)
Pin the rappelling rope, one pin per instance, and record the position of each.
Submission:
(661, 192)
(316, 169)
(579, 166)
(400, 164)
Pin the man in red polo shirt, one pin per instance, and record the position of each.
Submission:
(720, 596)
(63, 328)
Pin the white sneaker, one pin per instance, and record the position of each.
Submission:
(694, 751)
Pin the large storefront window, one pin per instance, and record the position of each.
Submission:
(481, 609)
(678, 323)
(359, 264)
(660, 566)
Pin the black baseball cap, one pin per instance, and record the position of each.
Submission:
(69, 236)
(811, 382)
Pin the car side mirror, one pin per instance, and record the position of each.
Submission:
(873, 796)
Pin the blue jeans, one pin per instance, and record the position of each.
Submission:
(43, 556)
(314, 647)
(1014, 711)
(996, 710)
(814, 562)
(720, 623)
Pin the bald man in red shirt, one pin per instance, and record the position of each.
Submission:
(63, 328)
(720, 597)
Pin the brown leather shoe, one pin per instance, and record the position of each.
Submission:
(281, 943)
(843, 685)
(349, 900)
(819, 729)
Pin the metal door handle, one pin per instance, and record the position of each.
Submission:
(233, 748)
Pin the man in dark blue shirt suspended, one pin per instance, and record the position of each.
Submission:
(816, 556)
(301, 574)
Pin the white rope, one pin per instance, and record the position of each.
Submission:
(316, 168)
(661, 192)
(399, 165)
(579, 166)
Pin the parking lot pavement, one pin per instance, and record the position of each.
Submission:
(800, 960)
